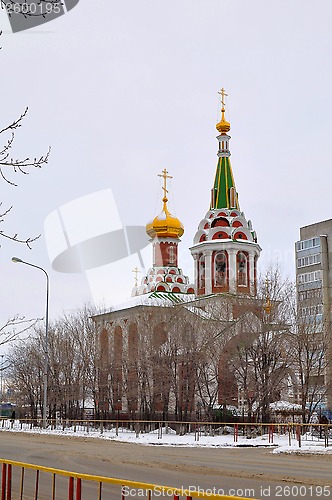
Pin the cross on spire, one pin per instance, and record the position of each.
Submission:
(136, 271)
(223, 95)
(165, 176)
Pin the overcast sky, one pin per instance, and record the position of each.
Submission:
(121, 90)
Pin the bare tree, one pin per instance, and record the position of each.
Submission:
(176, 361)
(16, 328)
(73, 360)
(25, 376)
(8, 163)
(309, 341)
(259, 351)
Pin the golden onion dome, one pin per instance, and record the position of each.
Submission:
(165, 225)
(223, 126)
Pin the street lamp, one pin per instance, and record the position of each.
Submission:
(17, 260)
(2, 355)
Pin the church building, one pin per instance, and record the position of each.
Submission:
(152, 347)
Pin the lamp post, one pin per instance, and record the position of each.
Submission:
(2, 355)
(17, 260)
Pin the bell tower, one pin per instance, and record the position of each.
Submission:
(164, 231)
(225, 249)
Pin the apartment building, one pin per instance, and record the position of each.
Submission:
(313, 254)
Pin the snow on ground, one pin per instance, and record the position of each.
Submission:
(168, 437)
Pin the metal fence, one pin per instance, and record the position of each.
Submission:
(21, 481)
(295, 432)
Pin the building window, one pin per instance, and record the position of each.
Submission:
(220, 269)
(201, 272)
(309, 277)
(232, 197)
(309, 260)
(311, 294)
(316, 310)
(242, 273)
(171, 255)
(306, 244)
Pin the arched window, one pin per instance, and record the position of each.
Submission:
(242, 273)
(171, 255)
(220, 221)
(201, 272)
(220, 269)
(232, 197)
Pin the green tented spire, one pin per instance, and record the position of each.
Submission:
(224, 193)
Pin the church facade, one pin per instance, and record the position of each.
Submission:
(166, 353)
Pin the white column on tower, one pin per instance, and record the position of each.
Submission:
(195, 257)
(232, 269)
(208, 272)
(252, 273)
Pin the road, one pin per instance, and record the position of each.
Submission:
(252, 472)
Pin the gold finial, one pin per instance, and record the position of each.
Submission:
(165, 225)
(136, 271)
(267, 306)
(165, 176)
(223, 94)
(223, 126)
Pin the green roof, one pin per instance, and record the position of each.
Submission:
(224, 190)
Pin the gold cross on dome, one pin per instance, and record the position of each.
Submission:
(165, 176)
(267, 284)
(267, 306)
(223, 95)
(136, 271)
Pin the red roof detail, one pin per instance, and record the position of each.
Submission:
(240, 236)
(220, 235)
(220, 222)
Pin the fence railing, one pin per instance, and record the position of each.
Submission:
(62, 484)
(294, 431)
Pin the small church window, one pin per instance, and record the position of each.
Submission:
(171, 255)
(201, 272)
(232, 197)
(242, 274)
(220, 269)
